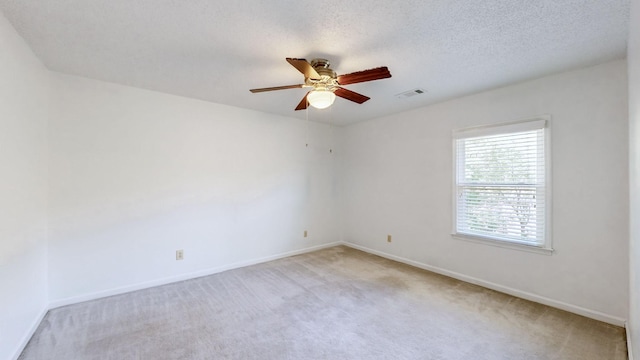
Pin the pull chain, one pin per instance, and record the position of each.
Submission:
(306, 111)
(331, 130)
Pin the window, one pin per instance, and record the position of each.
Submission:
(502, 192)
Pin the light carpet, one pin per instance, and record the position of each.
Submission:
(336, 303)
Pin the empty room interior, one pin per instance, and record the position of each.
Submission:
(320, 180)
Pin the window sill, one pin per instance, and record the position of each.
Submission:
(503, 244)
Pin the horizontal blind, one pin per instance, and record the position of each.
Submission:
(500, 182)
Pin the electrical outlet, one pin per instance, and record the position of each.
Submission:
(305, 233)
(388, 238)
(179, 254)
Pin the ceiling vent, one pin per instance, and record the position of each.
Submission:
(410, 93)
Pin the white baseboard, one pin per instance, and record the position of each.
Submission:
(629, 342)
(593, 314)
(29, 334)
(181, 277)
(504, 289)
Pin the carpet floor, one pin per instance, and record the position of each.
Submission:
(336, 303)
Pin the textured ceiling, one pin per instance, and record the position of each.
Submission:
(218, 50)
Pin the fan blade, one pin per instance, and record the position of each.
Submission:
(303, 103)
(366, 75)
(304, 67)
(276, 88)
(351, 95)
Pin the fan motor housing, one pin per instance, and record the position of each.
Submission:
(322, 67)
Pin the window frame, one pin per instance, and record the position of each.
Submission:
(506, 128)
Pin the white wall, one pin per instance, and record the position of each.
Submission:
(136, 175)
(633, 57)
(24, 92)
(398, 180)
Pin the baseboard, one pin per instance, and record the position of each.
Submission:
(629, 342)
(182, 277)
(593, 314)
(29, 334)
(504, 289)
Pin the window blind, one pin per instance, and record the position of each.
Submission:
(500, 183)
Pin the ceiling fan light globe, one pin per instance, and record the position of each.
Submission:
(321, 99)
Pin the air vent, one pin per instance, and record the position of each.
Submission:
(410, 93)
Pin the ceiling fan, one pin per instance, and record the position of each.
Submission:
(325, 85)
